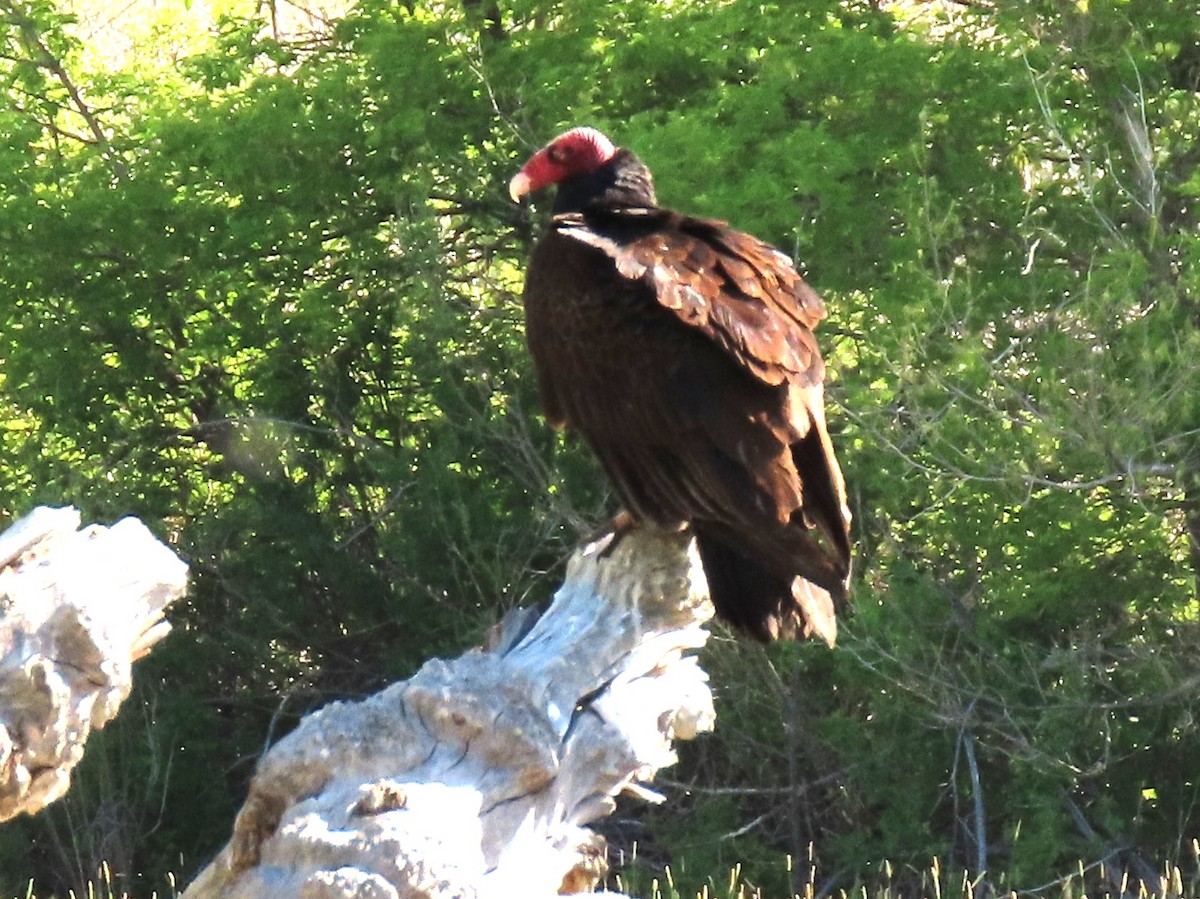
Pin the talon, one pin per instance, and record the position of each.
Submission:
(604, 542)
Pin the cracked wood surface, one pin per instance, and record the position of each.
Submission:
(77, 608)
(478, 776)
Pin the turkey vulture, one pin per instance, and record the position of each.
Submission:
(683, 352)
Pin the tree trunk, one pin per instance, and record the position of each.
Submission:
(77, 608)
(477, 776)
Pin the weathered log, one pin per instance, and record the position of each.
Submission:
(77, 608)
(477, 776)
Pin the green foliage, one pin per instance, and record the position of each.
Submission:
(267, 299)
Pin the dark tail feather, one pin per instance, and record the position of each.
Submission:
(824, 495)
(757, 602)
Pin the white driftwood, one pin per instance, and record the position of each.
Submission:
(76, 609)
(476, 777)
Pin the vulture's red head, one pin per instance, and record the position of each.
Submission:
(574, 152)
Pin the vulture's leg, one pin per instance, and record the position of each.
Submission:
(604, 541)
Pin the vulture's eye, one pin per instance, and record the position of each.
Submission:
(559, 154)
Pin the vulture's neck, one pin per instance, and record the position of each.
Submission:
(622, 181)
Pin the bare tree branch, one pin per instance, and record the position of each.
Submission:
(41, 56)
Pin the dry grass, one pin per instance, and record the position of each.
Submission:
(104, 888)
(1097, 880)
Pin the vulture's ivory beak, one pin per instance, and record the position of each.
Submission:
(519, 186)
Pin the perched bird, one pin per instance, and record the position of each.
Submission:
(682, 351)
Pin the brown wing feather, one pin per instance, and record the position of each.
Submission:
(741, 292)
(719, 423)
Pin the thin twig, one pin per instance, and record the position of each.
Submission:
(980, 835)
